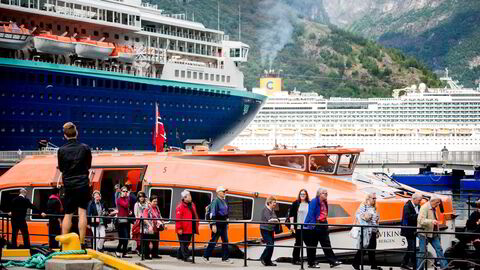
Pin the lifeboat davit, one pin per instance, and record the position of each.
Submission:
(14, 37)
(53, 44)
(93, 49)
(123, 53)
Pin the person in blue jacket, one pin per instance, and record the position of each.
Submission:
(317, 214)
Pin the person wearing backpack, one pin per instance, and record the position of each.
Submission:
(218, 212)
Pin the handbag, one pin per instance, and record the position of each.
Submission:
(354, 232)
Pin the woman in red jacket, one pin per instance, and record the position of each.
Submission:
(185, 229)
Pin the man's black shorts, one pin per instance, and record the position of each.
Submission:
(76, 198)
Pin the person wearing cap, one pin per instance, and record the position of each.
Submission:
(20, 205)
(54, 210)
(96, 210)
(74, 162)
(185, 229)
(218, 212)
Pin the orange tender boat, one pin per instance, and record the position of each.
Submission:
(94, 49)
(250, 176)
(47, 42)
(14, 37)
(123, 53)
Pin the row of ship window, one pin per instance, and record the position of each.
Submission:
(86, 131)
(49, 79)
(201, 76)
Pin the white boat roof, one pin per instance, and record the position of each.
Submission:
(108, 6)
(148, 15)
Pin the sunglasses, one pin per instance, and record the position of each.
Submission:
(303, 194)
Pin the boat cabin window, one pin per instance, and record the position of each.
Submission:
(335, 210)
(239, 208)
(111, 177)
(39, 199)
(296, 162)
(323, 163)
(6, 198)
(347, 163)
(282, 209)
(164, 200)
(201, 199)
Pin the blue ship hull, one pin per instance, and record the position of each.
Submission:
(112, 109)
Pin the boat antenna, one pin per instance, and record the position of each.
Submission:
(218, 15)
(239, 24)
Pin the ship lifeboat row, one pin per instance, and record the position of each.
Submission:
(13, 36)
(17, 38)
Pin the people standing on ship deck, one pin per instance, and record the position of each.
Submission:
(54, 210)
(96, 210)
(20, 205)
(317, 215)
(140, 206)
(296, 214)
(367, 214)
(75, 161)
(267, 230)
(427, 219)
(186, 209)
(123, 224)
(153, 226)
(218, 212)
(409, 218)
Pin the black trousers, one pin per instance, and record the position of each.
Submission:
(23, 227)
(54, 229)
(371, 253)
(298, 243)
(150, 238)
(123, 232)
(182, 253)
(312, 238)
(409, 257)
(268, 238)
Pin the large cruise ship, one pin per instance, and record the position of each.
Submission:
(416, 118)
(104, 65)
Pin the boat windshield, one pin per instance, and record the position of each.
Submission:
(296, 162)
(347, 163)
(323, 163)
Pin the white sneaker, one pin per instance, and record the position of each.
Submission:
(205, 260)
(227, 261)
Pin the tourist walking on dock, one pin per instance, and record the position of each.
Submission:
(317, 215)
(218, 212)
(75, 161)
(367, 214)
(186, 209)
(54, 210)
(296, 214)
(153, 226)
(409, 218)
(20, 205)
(138, 210)
(268, 230)
(427, 219)
(123, 223)
(96, 210)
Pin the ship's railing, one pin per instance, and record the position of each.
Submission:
(180, 34)
(19, 155)
(450, 157)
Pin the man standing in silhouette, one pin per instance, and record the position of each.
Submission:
(74, 161)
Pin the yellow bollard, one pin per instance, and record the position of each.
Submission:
(70, 241)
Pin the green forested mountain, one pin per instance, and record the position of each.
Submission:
(296, 38)
(441, 33)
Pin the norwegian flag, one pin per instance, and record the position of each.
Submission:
(159, 134)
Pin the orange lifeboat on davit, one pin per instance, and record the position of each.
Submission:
(94, 49)
(14, 37)
(123, 53)
(250, 176)
(46, 42)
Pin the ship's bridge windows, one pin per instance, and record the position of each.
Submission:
(296, 162)
(177, 73)
(323, 163)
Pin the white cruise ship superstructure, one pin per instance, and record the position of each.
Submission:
(416, 118)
